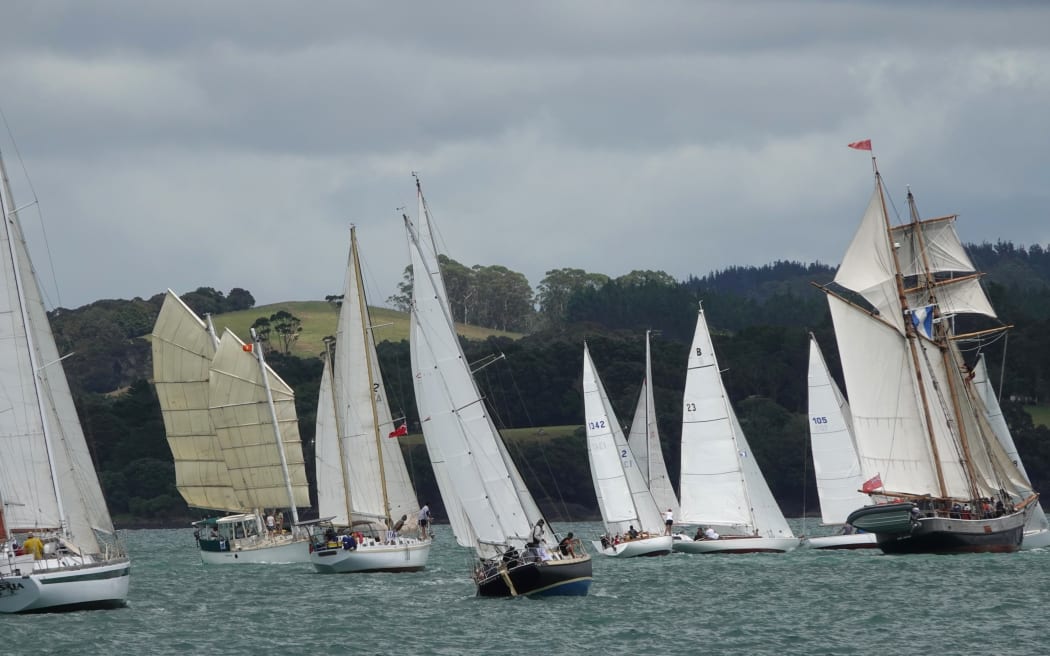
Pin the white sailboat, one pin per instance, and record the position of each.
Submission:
(363, 486)
(1036, 529)
(721, 485)
(488, 505)
(633, 524)
(835, 463)
(48, 486)
(919, 424)
(644, 440)
(184, 348)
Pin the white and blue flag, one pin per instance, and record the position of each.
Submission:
(922, 319)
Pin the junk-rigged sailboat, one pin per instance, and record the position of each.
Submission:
(644, 441)
(633, 524)
(721, 485)
(363, 487)
(58, 548)
(939, 470)
(488, 505)
(835, 463)
(184, 348)
(1036, 529)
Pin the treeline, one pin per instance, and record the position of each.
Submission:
(761, 317)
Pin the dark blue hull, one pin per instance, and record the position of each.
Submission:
(538, 579)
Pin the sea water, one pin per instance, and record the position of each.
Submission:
(805, 602)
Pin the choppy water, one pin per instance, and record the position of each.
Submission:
(806, 602)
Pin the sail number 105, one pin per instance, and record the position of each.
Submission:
(819, 420)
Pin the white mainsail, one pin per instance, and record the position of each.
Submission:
(477, 478)
(835, 465)
(623, 497)
(183, 349)
(264, 472)
(360, 470)
(721, 484)
(917, 420)
(644, 440)
(47, 477)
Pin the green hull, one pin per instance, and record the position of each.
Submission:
(891, 518)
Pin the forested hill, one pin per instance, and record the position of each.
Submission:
(761, 317)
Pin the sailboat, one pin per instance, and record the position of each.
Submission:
(633, 525)
(49, 492)
(835, 463)
(644, 441)
(363, 487)
(721, 485)
(1036, 529)
(939, 470)
(184, 348)
(488, 505)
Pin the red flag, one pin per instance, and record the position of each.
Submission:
(399, 431)
(871, 484)
(861, 145)
(247, 347)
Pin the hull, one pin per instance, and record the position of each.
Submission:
(267, 552)
(937, 534)
(405, 556)
(656, 546)
(734, 545)
(569, 577)
(53, 589)
(854, 541)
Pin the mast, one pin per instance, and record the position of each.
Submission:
(950, 366)
(11, 218)
(912, 337)
(338, 430)
(648, 410)
(257, 348)
(366, 336)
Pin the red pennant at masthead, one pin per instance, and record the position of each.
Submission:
(861, 145)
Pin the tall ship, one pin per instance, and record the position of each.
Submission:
(940, 482)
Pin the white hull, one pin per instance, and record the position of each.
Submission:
(655, 546)
(52, 587)
(408, 555)
(731, 544)
(854, 541)
(265, 553)
(1039, 539)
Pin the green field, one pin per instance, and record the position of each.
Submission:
(1040, 414)
(319, 319)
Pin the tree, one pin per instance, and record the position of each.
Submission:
(558, 286)
(288, 328)
(239, 299)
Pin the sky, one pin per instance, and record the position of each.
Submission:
(232, 144)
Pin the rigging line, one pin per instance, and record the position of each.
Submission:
(40, 214)
(1002, 371)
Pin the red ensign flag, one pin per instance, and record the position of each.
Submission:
(872, 484)
(399, 431)
(861, 145)
(247, 347)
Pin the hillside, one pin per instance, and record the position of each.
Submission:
(319, 321)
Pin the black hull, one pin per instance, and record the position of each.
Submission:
(936, 535)
(542, 579)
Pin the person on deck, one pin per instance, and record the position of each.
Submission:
(565, 546)
(537, 533)
(424, 521)
(668, 521)
(632, 533)
(710, 534)
(34, 545)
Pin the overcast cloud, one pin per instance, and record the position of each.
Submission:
(232, 144)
